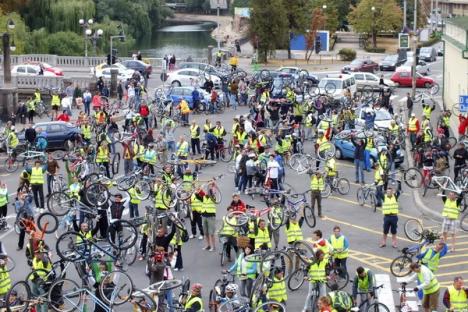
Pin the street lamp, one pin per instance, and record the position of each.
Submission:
(6, 52)
(97, 34)
(324, 7)
(374, 43)
(86, 31)
(121, 35)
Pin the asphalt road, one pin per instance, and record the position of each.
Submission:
(360, 224)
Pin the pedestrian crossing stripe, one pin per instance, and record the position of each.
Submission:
(452, 264)
(456, 256)
(452, 273)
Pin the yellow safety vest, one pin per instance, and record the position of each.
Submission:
(133, 196)
(218, 132)
(37, 176)
(458, 299)
(150, 157)
(244, 266)
(39, 265)
(197, 205)
(378, 176)
(277, 291)
(55, 100)
(139, 151)
(431, 260)
(3, 197)
(37, 96)
(5, 281)
(363, 283)
(451, 209)
(370, 144)
(324, 125)
(207, 127)
(88, 236)
(338, 244)
(294, 232)
(412, 124)
(183, 149)
(317, 271)
(433, 284)
(102, 155)
(209, 206)
(228, 230)
(75, 190)
(86, 130)
(390, 205)
(262, 237)
(331, 167)
(383, 161)
(317, 184)
(158, 198)
(177, 238)
(427, 111)
(194, 132)
(191, 300)
(13, 140)
(446, 121)
(427, 135)
(394, 129)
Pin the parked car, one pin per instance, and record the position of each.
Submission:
(59, 134)
(368, 79)
(382, 117)
(361, 65)
(33, 70)
(176, 94)
(123, 71)
(121, 75)
(391, 62)
(345, 149)
(428, 54)
(210, 69)
(421, 68)
(189, 76)
(440, 51)
(142, 67)
(295, 72)
(404, 79)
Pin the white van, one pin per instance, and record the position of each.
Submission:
(338, 83)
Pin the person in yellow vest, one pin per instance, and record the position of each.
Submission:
(293, 230)
(246, 271)
(5, 280)
(135, 200)
(12, 139)
(264, 97)
(139, 153)
(379, 183)
(84, 230)
(100, 117)
(86, 131)
(102, 157)
(430, 257)
(451, 213)
(227, 234)
(177, 241)
(241, 137)
(427, 135)
(277, 291)
(41, 265)
(413, 128)
(195, 138)
(367, 152)
(150, 157)
(209, 217)
(331, 170)
(3, 206)
(394, 128)
(456, 296)
(233, 62)
(363, 284)
(340, 245)
(196, 205)
(321, 144)
(262, 236)
(182, 152)
(317, 185)
(429, 284)
(128, 156)
(31, 108)
(184, 111)
(308, 126)
(194, 302)
(390, 211)
(37, 174)
(427, 110)
(426, 122)
(316, 275)
(75, 188)
(55, 103)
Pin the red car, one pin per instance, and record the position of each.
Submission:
(46, 67)
(404, 79)
(362, 65)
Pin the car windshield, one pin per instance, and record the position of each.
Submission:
(390, 58)
(382, 115)
(356, 62)
(336, 82)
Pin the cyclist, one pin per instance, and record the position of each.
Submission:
(12, 140)
(194, 301)
(37, 174)
(41, 265)
(277, 291)
(150, 157)
(321, 243)
(245, 270)
(5, 280)
(228, 233)
(331, 170)
(102, 157)
(451, 213)
(83, 229)
(363, 283)
(379, 182)
(430, 257)
(456, 296)
(317, 277)
(340, 300)
(23, 209)
(31, 107)
(390, 209)
(231, 293)
(429, 285)
(262, 235)
(317, 185)
(340, 245)
(3, 205)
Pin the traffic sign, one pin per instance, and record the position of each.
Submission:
(463, 103)
(403, 40)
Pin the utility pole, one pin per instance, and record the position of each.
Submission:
(218, 41)
(415, 43)
(432, 15)
(404, 13)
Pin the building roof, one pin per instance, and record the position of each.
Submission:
(459, 21)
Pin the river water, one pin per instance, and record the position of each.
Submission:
(183, 39)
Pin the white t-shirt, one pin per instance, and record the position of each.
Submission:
(273, 169)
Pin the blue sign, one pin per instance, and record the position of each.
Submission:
(299, 42)
(463, 103)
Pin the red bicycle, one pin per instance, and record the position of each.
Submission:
(275, 215)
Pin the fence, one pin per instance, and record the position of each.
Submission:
(28, 83)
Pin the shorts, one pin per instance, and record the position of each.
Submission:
(209, 225)
(449, 225)
(390, 224)
(55, 107)
(431, 301)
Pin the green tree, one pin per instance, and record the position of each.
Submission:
(297, 18)
(38, 42)
(65, 43)
(387, 16)
(330, 14)
(268, 26)
(110, 28)
(19, 35)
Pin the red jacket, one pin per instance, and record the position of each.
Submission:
(239, 206)
(63, 117)
(463, 124)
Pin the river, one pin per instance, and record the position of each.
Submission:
(183, 39)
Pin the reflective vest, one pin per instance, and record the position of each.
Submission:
(3, 197)
(183, 149)
(207, 127)
(197, 205)
(31, 106)
(335, 120)
(298, 109)
(241, 137)
(75, 190)
(228, 230)
(390, 205)
(55, 100)
(86, 131)
(5, 281)
(323, 144)
(150, 157)
(427, 135)
(158, 198)
(12, 140)
(427, 111)
(446, 121)
(133, 196)
(338, 244)
(37, 176)
(394, 129)
(383, 161)
(218, 132)
(308, 121)
(458, 299)
(37, 96)
(317, 184)
(433, 284)
(39, 265)
(244, 266)
(451, 209)
(262, 237)
(294, 232)
(277, 291)
(209, 206)
(139, 151)
(431, 260)
(177, 238)
(324, 125)
(370, 144)
(264, 97)
(378, 176)
(317, 271)
(195, 132)
(331, 167)
(191, 300)
(412, 124)
(363, 283)
(102, 155)
(88, 236)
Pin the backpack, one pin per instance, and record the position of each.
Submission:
(342, 302)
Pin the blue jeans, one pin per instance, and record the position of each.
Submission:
(359, 166)
(367, 160)
(87, 107)
(134, 210)
(171, 146)
(170, 300)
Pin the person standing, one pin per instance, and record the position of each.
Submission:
(31, 105)
(340, 244)
(456, 296)
(429, 285)
(317, 275)
(135, 200)
(209, 218)
(3, 205)
(409, 104)
(194, 301)
(363, 283)
(103, 157)
(196, 203)
(317, 185)
(195, 138)
(413, 128)
(451, 213)
(430, 257)
(52, 167)
(37, 174)
(246, 271)
(390, 211)
(359, 151)
(461, 156)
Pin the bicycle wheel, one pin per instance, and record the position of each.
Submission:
(339, 277)
(271, 306)
(276, 259)
(330, 88)
(122, 235)
(97, 194)
(326, 190)
(71, 246)
(65, 295)
(10, 264)
(176, 221)
(18, 297)
(59, 203)
(11, 165)
(166, 285)
(142, 301)
(238, 304)
(257, 291)
(413, 178)
(48, 222)
(124, 183)
(143, 189)
(115, 165)
(237, 218)
(378, 307)
(400, 266)
(296, 279)
(276, 216)
(116, 288)
(373, 201)
(185, 190)
(300, 162)
(309, 216)
(360, 196)
(464, 222)
(342, 185)
(129, 256)
(304, 251)
(326, 151)
(169, 197)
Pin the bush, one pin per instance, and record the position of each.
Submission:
(347, 54)
(375, 50)
(65, 43)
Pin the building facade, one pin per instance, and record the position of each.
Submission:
(453, 7)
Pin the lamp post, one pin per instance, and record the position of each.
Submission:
(121, 35)
(324, 8)
(374, 43)
(218, 41)
(86, 31)
(94, 38)
(6, 52)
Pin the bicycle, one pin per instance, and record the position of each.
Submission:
(367, 193)
(218, 291)
(186, 189)
(297, 204)
(404, 305)
(341, 185)
(275, 215)
(371, 302)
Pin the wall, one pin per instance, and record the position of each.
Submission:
(455, 75)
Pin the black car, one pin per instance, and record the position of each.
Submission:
(391, 62)
(59, 134)
(142, 67)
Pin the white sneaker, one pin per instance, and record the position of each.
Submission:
(176, 269)
(200, 237)
(191, 236)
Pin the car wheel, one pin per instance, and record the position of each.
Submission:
(175, 83)
(338, 154)
(427, 85)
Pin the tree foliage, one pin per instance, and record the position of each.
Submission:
(330, 14)
(19, 35)
(268, 26)
(387, 16)
(65, 43)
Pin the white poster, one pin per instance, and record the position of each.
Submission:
(222, 4)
